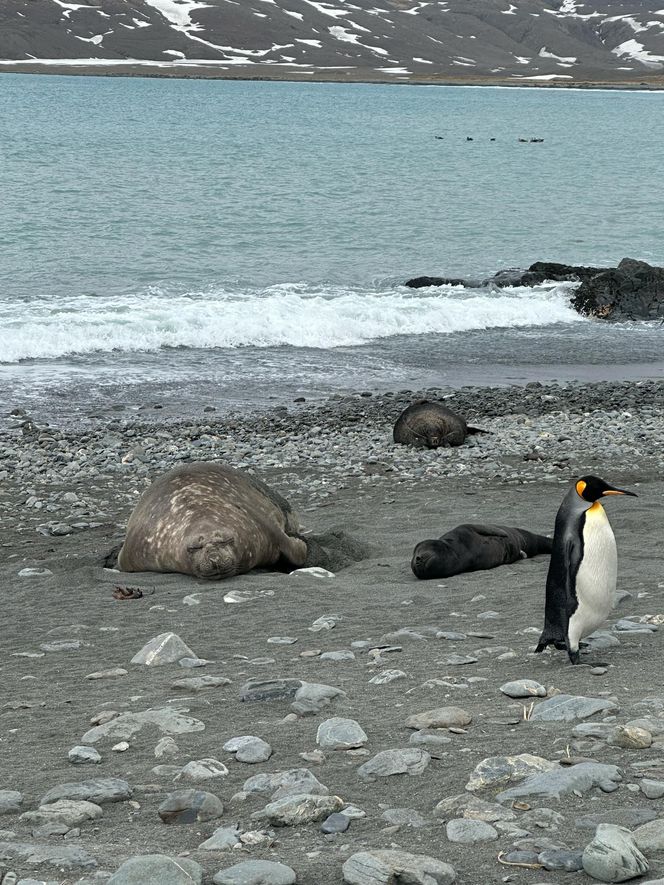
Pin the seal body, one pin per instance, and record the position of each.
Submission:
(210, 521)
(581, 583)
(470, 548)
(431, 425)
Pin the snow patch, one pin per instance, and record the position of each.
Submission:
(635, 51)
(544, 53)
(177, 12)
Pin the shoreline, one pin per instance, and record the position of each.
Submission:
(648, 83)
(64, 500)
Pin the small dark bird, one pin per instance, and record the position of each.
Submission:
(468, 138)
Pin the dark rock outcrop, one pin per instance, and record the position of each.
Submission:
(632, 291)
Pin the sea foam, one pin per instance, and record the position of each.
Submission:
(296, 315)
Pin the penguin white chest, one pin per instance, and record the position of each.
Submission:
(596, 577)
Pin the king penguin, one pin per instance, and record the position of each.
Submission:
(581, 583)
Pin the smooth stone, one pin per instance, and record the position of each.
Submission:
(223, 839)
(411, 761)
(126, 725)
(652, 789)
(561, 859)
(189, 807)
(474, 808)
(543, 818)
(166, 746)
(200, 683)
(384, 867)
(650, 837)
(312, 697)
(201, 770)
(451, 636)
(315, 571)
(600, 640)
(342, 655)
(613, 855)
(654, 726)
(521, 857)
(10, 801)
(387, 676)
(62, 856)
(630, 738)
(249, 749)
(442, 717)
(495, 770)
(568, 708)
(565, 781)
(149, 868)
(433, 741)
(340, 734)
(335, 823)
(621, 817)
(523, 688)
(325, 622)
(35, 573)
(65, 811)
(269, 689)
(113, 673)
(167, 648)
(98, 791)
(301, 808)
(83, 755)
(256, 872)
(468, 831)
(279, 784)
(404, 817)
(458, 660)
(599, 730)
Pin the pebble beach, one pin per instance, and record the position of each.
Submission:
(354, 726)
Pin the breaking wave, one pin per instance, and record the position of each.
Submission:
(295, 314)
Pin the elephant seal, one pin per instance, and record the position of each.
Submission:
(210, 521)
(471, 548)
(430, 425)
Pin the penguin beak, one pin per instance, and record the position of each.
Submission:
(613, 491)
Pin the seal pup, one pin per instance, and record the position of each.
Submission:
(429, 425)
(581, 583)
(210, 521)
(471, 548)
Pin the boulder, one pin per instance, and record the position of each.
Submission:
(632, 291)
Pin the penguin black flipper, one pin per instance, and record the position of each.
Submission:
(561, 600)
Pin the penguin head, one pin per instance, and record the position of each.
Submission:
(592, 488)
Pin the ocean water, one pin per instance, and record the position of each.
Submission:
(192, 242)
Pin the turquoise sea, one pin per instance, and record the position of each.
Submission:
(227, 242)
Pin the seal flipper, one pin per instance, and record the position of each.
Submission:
(473, 430)
(292, 549)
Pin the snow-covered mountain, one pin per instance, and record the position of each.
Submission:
(531, 40)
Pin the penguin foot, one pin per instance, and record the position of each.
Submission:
(574, 656)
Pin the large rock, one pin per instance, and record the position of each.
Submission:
(66, 811)
(568, 708)
(158, 868)
(256, 872)
(441, 717)
(126, 725)
(650, 836)
(167, 648)
(412, 760)
(98, 790)
(10, 801)
(613, 856)
(378, 867)
(496, 770)
(632, 291)
(340, 734)
(61, 856)
(555, 784)
(302, 808)
(190, 807)
(291, 782)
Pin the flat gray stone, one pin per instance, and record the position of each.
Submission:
(630, 737)
(601, 640)
(10, 801)
(613, 855)
(411, 761)
(652, 789)
(256, 872)
(279, 784)
(441, 717)
(269, 689)
(312, 697)
(167, 648)
(458, 660)
(380, 867)
(200, 683)
(340, 734)
(301, 808)
(62, 856)
(523, 688)
(469, 831)
(149, 868)
(568, 708)
(67, 811)
(561, 859)
(126, 725)
(83, 756)
(650, 837)
(472, 807)
(249, 749)
(621, 817)
(387, 676)
(339, 656)
(223, 839)
(404, 817)
(335, 823)
(189, 807)
(565, 781)
(431, 740)
(98, 790)
(496, 770)
(201, 770)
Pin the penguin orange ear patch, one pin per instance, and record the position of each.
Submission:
(580, 488)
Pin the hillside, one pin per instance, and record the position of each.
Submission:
(554, 41)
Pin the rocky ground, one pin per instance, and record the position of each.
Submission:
(390, 738)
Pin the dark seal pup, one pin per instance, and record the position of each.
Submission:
(431, 425)
(471, 548)
(581, 583)
(210, 521)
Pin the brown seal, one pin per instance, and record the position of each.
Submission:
(210, 521)
(431, 425)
